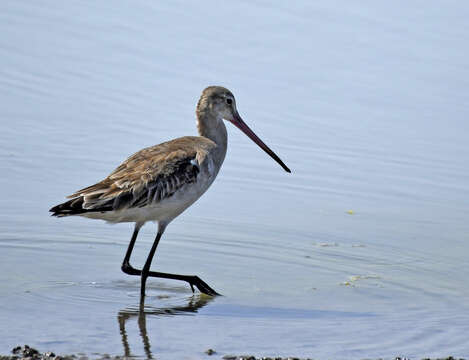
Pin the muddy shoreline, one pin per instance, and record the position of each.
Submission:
(29, 353)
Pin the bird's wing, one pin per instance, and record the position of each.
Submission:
(148, 176)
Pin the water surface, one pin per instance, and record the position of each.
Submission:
(360, 252)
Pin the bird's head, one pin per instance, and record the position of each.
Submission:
(219, 103)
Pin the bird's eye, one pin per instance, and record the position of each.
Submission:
(229, 101)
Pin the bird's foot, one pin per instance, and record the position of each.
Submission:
(193, 280)
(201, 285)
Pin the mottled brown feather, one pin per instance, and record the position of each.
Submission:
(148, 176)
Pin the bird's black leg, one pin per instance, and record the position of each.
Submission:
(193, 280)
(126, 267)
(146, 267)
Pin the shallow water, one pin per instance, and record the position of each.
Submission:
(360, 252)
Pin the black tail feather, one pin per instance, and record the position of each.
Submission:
(71, 207)
(75, 207)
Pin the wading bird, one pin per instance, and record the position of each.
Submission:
(158, 183)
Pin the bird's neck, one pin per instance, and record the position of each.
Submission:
(214, 129)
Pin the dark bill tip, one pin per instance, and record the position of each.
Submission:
(240, 124)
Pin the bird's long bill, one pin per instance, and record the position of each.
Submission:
(240, 124)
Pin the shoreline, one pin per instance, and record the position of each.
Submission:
(27, 352)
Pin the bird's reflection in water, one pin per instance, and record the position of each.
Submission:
(191, 305)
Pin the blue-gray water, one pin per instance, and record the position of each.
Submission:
(360, 252)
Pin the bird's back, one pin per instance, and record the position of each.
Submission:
(164, 178)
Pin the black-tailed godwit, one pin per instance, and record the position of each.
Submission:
(158, 183)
